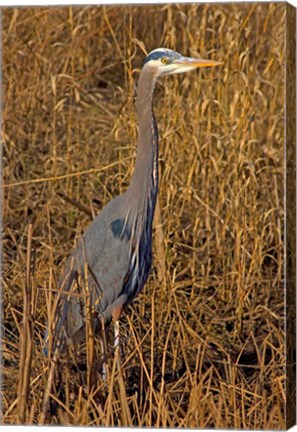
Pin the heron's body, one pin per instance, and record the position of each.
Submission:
(117, 246)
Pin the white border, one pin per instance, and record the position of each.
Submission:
(108, 2)
(114, 2)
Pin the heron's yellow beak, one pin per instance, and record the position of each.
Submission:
(185, 64)
(197, 63)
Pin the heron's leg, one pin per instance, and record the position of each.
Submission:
(116, 341)
(104, 369)
(116, 313)
(103, 342)
(117, 358)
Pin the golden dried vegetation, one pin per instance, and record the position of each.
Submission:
(204, 346)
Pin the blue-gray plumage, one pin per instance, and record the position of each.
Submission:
(116, 249)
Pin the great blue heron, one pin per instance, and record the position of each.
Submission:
(115, 252)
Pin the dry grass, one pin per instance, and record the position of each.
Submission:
(205, 347)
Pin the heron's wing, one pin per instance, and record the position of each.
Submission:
(102, 259)
(56, 327)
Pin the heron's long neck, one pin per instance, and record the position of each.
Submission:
(144, 182)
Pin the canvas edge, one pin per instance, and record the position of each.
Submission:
(290, 213)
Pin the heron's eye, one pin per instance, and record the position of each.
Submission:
(164, 60)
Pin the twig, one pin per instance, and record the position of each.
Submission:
(48, 389)
(26, 338)
(159, 244)
(64, 176)
(77, 204)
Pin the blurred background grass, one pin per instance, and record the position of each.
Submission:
(204, 347)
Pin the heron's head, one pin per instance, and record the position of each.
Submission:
(164, 61)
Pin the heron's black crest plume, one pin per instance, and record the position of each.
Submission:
(161, 53)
